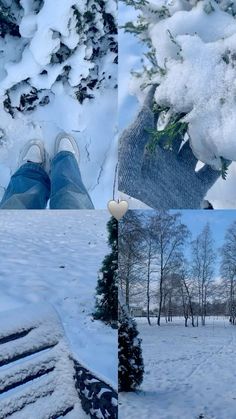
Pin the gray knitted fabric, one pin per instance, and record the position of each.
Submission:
(162, 179)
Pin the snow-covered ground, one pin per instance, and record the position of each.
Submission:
(131, 50)
(54, 257)
(189, 372)
(60, 74)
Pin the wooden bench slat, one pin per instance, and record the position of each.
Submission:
(18, 374)
(36, 372)
(14, 336)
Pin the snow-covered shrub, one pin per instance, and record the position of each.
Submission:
(191, 59)
(106, 292)
(98, 399)
(131, 368)
(47, 48)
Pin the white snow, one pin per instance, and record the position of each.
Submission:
(131, 52)
(194, 47)
(28, 61)
(54, 257)
(55, 385)
(188, 372)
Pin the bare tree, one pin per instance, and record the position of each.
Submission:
(149, 245)
(149, 249)
(203, 261)
(228, 269)
(130, 254)
(187, 292)
(169, 234)
(171, 295)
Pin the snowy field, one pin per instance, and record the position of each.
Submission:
(222, 194)
(54, 257)
(189, 373)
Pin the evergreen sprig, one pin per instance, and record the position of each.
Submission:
(224, 167)
(166, 137)
(137, 28)
(137, 4)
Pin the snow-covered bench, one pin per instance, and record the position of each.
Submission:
(39, 377)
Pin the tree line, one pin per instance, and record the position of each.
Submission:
(167, 273)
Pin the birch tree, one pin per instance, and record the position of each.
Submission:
(130, 253)
(170, 235)
(203, 261)
(187, 292)
(228, 269)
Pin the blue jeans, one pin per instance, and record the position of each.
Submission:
(31, 188)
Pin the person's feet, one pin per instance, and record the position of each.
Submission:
(65, 142)
(33, 152)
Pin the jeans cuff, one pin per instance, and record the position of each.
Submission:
(62, 154)
(35, 167)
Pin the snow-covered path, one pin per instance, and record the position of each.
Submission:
(189, 373)
(54, 256)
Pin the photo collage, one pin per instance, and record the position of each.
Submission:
(117, 209)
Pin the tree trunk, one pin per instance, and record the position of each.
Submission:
(164, 308)
(161, 300)
(191, 312)
(127, 284)
(148, 289)
(202, 303)
(170, 310)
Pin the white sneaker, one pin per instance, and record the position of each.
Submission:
(33, 152)
(65, 142)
